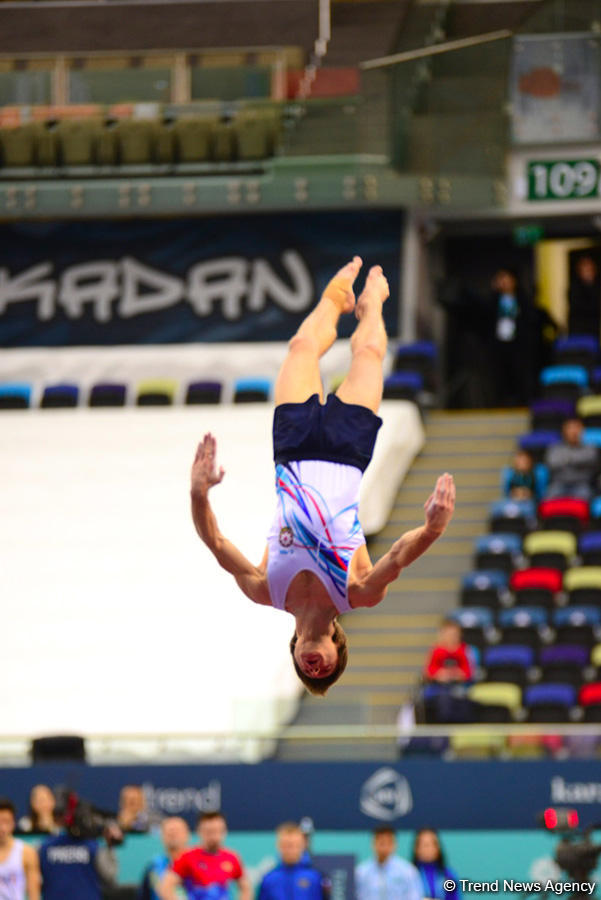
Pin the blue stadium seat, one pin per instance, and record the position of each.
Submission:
(549, 702)
(595, 509)
(420, 357)
(476, 622)
(549, 414)
(508, 662)
(57, 396)
(523, 625)
(403, 386)
(515, 516)
(252, 390)
(577, 350)
(536, 442)
(483, 588)
(107, 394)
(577, 625)
(592, 436)
(564, 382)
(203, 392)
(564, 663)
(589, 548)
(15, 395)
(498, 551)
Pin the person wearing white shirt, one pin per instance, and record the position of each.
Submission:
(387, 876)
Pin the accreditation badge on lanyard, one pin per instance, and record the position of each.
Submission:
(507, 313)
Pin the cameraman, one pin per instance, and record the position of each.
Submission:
(74, 865)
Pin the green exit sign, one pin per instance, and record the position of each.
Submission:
(563, 179)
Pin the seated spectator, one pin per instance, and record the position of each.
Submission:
(40, 819)
(450, 665)
(175, 835)
(572, 465)
(207, 870)
(133, 814)
(429, 861)
(387, 876)
(295, 875)
(521, 483)
(449, 658)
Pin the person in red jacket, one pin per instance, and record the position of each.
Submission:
(449, 658)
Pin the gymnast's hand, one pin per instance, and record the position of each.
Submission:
(204, 471)
(440, 505)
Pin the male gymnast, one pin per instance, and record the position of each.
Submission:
(316, 565)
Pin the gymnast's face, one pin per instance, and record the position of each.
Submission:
(317, 658)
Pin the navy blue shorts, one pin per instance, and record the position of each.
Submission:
(335, 431)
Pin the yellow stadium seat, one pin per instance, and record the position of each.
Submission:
(156, 392)
(17, 145)
(475, 743)
(223, 142)
(46, 143)
(582, 577)
(78, 139)
(596, 656)
(497, 693)
(589, 406)
(193, 138)
(136, 140)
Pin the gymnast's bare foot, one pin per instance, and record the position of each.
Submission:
(340, 288)
(376, 290)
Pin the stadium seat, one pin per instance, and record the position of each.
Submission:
(475, 744)
(525, 746)
(564, 514)
(60, 395)
(577, 625)
(476, 623)
(17, 146)
(549, 414)
(523, 625)
(596, 379)
(589, 410)
(563, 663)
(577, 350)
(550, 549)
(108, 394)
(596, 659)
(223, 141)
(156, 392)
(498, 551)
(16, 395)
(536, 442)
(497, 701)
(508, 662)
(136, 139)
(484, 589)
(592, 436)
(583, 584)
(536, 586)
(254, 134)
(549, 702)
(403, 386)
(590, 700)
(515, 516)
(77, 140)
(252, 390)
(193, 138)
(204, 392)
(164, 143)
(419, 357)
(595, 510)
(106, 145)
(564, 382)
(45, 143)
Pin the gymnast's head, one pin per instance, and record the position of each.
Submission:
(319, 663)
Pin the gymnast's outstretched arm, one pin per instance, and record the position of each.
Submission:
(371, 588)
(251, 579)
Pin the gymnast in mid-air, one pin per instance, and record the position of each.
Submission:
(316, 565)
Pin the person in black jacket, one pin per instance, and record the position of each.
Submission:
(585, 298)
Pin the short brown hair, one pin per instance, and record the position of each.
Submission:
(319, 686)
(289, 828)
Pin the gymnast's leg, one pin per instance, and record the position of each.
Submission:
(299, 376)
(364, 383)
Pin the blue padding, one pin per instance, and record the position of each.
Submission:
(576, 342)
(590, 540)
(473, 617)
(419, 348)
(498, 543)
(564, 408)
(59, 390)
(513, 509)
(534, 440)
(576, 375)
(595, 508)
(16, 389)
(484, 580)
(596, 376)
(549, 694)
(560, 654)
(509, 655)
(592, 436)
(577, 615)
(431, 691)
(253, 384)
(412, 380)
(523, 617)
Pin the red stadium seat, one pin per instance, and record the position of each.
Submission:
(536, 586)
(564, 513)
(590, 694)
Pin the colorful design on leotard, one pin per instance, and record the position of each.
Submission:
(305, 512)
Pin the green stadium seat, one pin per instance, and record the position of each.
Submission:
(254, 136)
(78, 141)
(193, 138)
(106, 145)
(17, 146)
(165, 141)
(223, 142)
(136, 140)
(46, 143)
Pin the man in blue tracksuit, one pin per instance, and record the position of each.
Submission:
(295, 877)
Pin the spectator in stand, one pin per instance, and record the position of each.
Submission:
(133, 814)
(450, 665)
(572, 465)
(294, 876)
(429, 860)
(584, 315)
(387, 876)
(19, 868)
(206, 871)
(175, 835)
(511, 334)
(40, 819)
(521, 484)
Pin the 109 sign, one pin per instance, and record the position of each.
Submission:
(569, 179)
